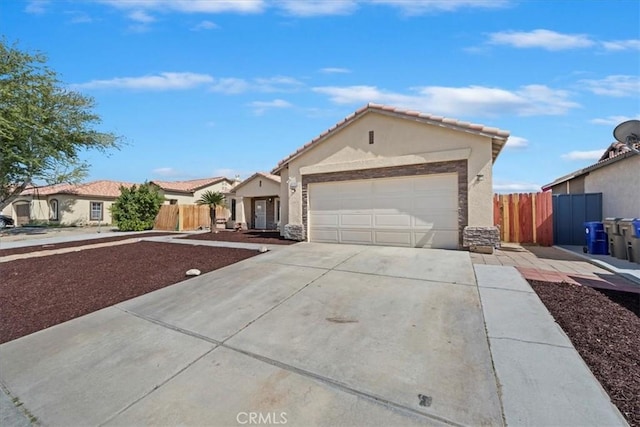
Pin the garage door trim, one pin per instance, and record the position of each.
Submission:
(456, 166)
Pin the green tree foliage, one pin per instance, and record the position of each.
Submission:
(44, 127)
(136, 208)
(213, 199)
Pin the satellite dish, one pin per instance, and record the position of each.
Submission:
(628, 133)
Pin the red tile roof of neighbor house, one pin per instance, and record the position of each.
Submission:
(102, 188)
(501, 135)
(616, 152)
(266, 175)
(188, 186)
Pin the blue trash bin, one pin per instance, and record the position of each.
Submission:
(595, 238)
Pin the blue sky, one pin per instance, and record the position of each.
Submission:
(221, 87)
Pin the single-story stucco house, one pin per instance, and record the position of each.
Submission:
(189, 192)
(616, 175)
(255, 202)
(66, 204)
(386, 176)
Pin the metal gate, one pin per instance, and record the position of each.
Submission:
(570, 212)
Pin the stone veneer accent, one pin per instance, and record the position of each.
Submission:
(294, 232)
(481, 236)
(457, 166)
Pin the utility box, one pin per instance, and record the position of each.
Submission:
(630, 233)
(595, 238)
(617, 245)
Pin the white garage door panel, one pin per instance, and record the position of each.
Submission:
(417, 211)
(325, 219)
(356, 237)
(392, 220)
(388, 238)
(328, 236)
(356, 220)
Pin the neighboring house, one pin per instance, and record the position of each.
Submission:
(385, 176)
(255, 202)
(616, 175)
(66, 204)
(189, 192)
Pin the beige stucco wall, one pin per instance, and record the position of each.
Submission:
(188, 199)
(72, 210)
(619, 184)
(254, 189)
(397, 142)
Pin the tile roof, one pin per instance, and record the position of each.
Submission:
(188, 186)
(266, 175)
(611, 155)
(501, 135)
(102, 188)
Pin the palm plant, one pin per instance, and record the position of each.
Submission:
(213, 199)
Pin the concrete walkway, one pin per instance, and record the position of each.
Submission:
(314, 334)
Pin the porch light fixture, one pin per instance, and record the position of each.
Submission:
(293, 184)
(480, 177)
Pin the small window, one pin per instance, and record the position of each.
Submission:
(260, 183)
(53, 210)
(371, 137)
(233, 209)
(277, 210)
(96, 211)
(173, 201)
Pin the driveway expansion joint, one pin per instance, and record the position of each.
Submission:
(405, 277)
(569, 347)
(158, 386)
(344, 387)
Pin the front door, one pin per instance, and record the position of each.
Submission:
(261, 214)
(23, 212)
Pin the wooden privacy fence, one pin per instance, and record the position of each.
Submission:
(187, 217)
(524, 217)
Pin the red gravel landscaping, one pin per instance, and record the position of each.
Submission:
(39, 292)
(246, 236)
(605, 333)
(51, 246)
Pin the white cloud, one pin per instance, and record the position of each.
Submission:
(230, 86)
(78, 17)
(37, 7)
(617, 45)
(166, 172)
(306, 8)
(205, 25)
(516, 187)
(460, 101)
(613, 120)
(583, 155)
(189, 6)
(544, 39)
(233, 85)
(162, 81)
(141, 16)
(334, 70)
(259, 107)
(616, 86)
(416, 7)
(517, 142)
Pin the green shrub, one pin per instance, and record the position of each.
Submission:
(136, 208)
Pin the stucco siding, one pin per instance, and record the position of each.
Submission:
(619, 184)
(407, 142)
(259, 187)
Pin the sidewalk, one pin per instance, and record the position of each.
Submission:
(555, 264)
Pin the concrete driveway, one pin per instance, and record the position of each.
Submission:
(310, 334)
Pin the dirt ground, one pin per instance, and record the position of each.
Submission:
(248, 236)
(37, 293)
(606, 333)
(112, 238)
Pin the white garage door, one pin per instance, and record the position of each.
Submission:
(418, 211)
